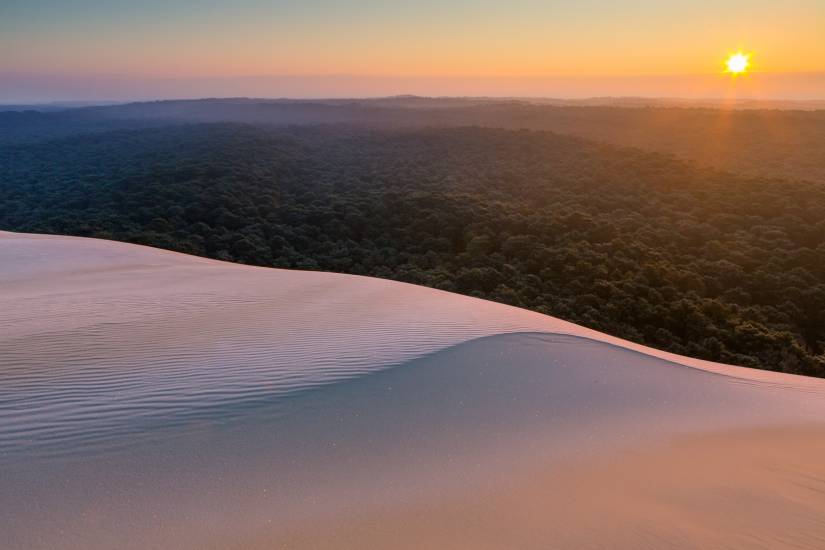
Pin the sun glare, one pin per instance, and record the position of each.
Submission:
(738, 63)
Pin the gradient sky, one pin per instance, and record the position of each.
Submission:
(54, 47)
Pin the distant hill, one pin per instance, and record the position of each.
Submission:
(54, 106)
(769, 142)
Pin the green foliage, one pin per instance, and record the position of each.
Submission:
(639, 245)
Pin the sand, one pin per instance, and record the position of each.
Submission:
(154, 400)
(740, 489)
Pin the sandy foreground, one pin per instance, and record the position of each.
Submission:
(155, 400)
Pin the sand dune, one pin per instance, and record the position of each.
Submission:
(155, 400)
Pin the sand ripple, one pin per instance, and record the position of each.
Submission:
(100, 339)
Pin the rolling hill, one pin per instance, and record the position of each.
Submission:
(787, 143)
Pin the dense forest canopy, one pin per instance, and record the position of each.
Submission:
(644, 246)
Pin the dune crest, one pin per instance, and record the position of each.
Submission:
(150, 399)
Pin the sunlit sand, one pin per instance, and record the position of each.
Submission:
(155, 400)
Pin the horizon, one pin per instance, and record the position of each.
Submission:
(44, 89)
(587, 100)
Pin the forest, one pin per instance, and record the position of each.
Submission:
(641, 245)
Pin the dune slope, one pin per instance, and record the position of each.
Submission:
(154, 400)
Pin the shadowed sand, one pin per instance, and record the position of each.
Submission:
(155, 400)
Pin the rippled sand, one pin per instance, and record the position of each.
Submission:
(155, 400)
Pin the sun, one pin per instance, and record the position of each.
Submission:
(738, 63)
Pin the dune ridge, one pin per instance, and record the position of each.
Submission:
(150, 399)
(96, 329)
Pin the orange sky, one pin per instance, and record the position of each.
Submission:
(426, 39)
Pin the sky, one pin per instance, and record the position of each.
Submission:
(124, 49)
